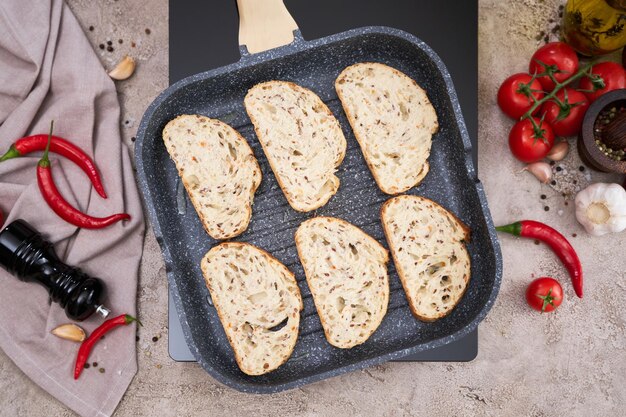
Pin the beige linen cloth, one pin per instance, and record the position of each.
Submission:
(48, 70)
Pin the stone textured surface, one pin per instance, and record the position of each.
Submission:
(567, 363)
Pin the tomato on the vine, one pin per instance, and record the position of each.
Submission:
(556, 57)
(529, 143)
(566, 115)
(544, 294)
(613, 77)
(514, 95)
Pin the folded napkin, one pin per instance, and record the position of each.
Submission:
(48, 70)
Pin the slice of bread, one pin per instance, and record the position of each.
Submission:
(428, 247)
(346, 270)
(301, 138)
(258, 302)
(218, 170)
(393, 121)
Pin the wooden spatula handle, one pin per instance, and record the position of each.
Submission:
(264, 24)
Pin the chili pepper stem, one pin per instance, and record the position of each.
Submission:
(513, 228)
(10, 154)
(44, 162)
(129, 319)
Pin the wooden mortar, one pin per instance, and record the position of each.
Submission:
(589, 152)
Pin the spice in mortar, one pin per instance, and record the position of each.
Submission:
(605, 117)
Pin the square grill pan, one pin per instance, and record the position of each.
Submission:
(452, 182)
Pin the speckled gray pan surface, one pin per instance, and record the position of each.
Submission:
(452, 182)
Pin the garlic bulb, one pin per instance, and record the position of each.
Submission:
(601, 208)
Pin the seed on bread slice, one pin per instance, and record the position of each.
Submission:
(301, 138)
(428, 247)
(393, 121)
(218, 169)
(346, 270)
(258, 302)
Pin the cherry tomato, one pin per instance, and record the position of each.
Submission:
(557, 55)
(514, 95)
(544, 294)
(573, 112)
(526, 145)
(612, 74)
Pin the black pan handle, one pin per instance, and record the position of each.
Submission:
(265, 25)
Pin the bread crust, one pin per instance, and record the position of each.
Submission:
(220, 314)
(338, 160)
(392, 190)
(188, 187)
(399, 266)
(308, 275)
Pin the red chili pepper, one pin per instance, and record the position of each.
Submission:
(61, 207)
(557, 242)
(88, 344)
(59, 146)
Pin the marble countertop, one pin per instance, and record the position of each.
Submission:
(571, 362)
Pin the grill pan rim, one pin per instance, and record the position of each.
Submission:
(248, 60)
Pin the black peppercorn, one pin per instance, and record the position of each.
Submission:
(101, 46)
(543, 196)
(110, 48)
(546, 208)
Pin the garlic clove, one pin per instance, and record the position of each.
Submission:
(541, 170)
(69, 331)
(124, 69)
(558, 151)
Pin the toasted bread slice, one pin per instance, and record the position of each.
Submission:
(301, 138)
(346, 270)
(258, 302)
(428, 249)
(218, 169)
(393, 121)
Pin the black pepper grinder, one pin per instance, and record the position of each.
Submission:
(28, 256)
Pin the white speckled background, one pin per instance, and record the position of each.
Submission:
(570, 363)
